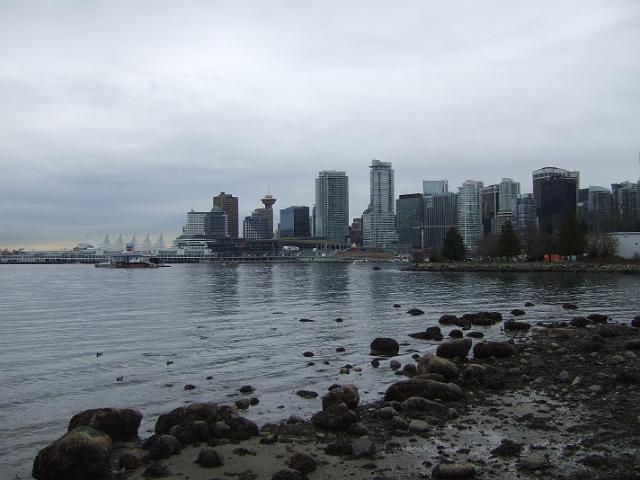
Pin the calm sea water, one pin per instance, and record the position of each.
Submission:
(238, 324)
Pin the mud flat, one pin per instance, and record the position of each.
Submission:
(524, 267)
(558, 401)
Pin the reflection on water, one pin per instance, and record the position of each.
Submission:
(236, 323)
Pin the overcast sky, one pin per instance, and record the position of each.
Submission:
(119, 116)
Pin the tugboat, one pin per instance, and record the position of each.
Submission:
(131, 259)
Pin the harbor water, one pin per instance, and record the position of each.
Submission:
(160, 329)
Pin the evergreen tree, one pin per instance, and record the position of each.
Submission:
(453, 248)
(573, 240)
(508, 242)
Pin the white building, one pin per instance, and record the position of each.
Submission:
(331, 211)
(628, 244)
(195, 223)
(470, 213)
(379, 220)
(508, 192)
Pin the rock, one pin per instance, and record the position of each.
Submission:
(189, 386)
(453, 471)
(454, 348)
(129, 461)
(347, 394)
(305, 320)
(375, 363)
(219, 430)
(533, 462)
(335, 418)
(395, 365)
(593, 343)
(632, 345)
(564, 376)
(448, 320)
(338, 320)
(242, 403)
(611, 330)
(410, 369)
(428, 389)
(288, 474)
(247, 389)
(156, 470)
(386, 347)
(517, 312)
(569, 306)
(538, 362)
(529, 304)
(598, 318)
(242, 428)
(386, 412)
(433, 364)
(513, 325)
(119, 424)
(493, 349)
(164, 446)
(399, 423)
(207, 412)
(415, 311)
(428, 407)
(363, 447)
(308, 354)
(209, 458)
(397, 305)
(436, 377)
(253, 401)
(615, 360)
(81, 453)
(474, 372)
(418, 426)
(431, 333)
(190, 432)
(294, 419)
(481, 318)
(475, 334)
(303, 462)
(307, 394)
(579, 322)
(340, 350)
(635, 323)
(455, 333)
(507, 448)
(340, 447)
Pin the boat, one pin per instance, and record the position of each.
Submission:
(131, 259)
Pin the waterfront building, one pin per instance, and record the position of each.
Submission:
(440, 216)
(379, 221)
(431, 187)
(229, 204)
(490, 208)
(355, 231)
(626, 198)
(410, 213)
(195, 223)
(470, 213)
(524, 216)
(216, 224)
(294, 222)
(596, 209)
(331, 209)
(555, 192)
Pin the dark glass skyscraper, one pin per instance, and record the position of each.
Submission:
(410, 220)
(294, 222)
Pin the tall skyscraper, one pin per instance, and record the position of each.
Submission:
(430, 187)
(195, 223)
(508, 193)
(331, 211)
(524, 216)
(216, 223)
(470, 213)
(410, 220)
(490, 208)
(379, 221)
(553, 189)
(294, 222)
(627, 206)
(596, 209)
(440, 216)
(229, 204)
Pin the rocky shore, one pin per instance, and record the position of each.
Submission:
(526, 267)
(558, 400)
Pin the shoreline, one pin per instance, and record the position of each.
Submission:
(527, 267)
(558, 402)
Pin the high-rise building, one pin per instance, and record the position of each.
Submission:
(195, 223)
(379, 221)
(229, 204)
(596, 209)
(331, 210)
(430, 187)
(490, 208)
(470, 213)
(626, 204)
(355, 231)
(508, 193)
(256, 227)
(410, 220)
(216, 223)
(552, 191)
(440, 216)
(524, 217)
(547, 173)
(294, 222)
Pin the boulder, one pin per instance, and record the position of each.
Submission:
(453, 471)
(448, 320)
(635, 323)
(386, 347)
(164, 446)
(529, 304)
(415, 311)
(592, 343)
(119, 424)
(579, 322)
(242, 403)
(518, 326)
(347, 394)
(493, 349)
(246, 389)
(386, 412)
(598, 318)
(410, 369)
(303, 462)
(219, 430)
(518, 312)
(428, 389)
(191, 432)
(484, 319)
(474, 372)
(242, 428)
(428, 407)
(81, 453)
(307, 394)
(395, 365)
(207, 412)
(632, 345)
(431, 333)
(129, 461)
(209, 458)
(431, 363)
(458, 348)
(475, 334)
(418, 426)
(533, 462)
(288, 474)
(362, 448)
(507, 448)
(455, 333)
(335, 418)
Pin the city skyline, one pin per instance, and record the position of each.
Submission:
(157, 109)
